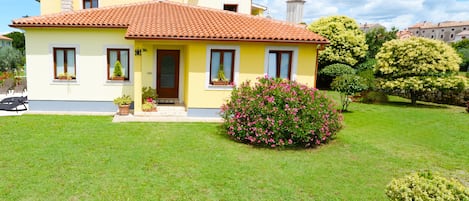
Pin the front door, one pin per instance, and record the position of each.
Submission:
(167, 80)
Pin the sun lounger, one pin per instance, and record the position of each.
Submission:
(12, 104)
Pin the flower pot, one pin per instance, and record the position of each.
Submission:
(124, 110)
(220, 82)
(118, 78)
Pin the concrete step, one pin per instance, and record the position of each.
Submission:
(166, 111)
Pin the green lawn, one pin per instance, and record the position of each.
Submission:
(90, 158)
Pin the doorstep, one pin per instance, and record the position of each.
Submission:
(153, 118)
(165, 113)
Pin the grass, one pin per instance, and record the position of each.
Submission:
(90, 158)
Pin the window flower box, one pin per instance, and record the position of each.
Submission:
(220, 82)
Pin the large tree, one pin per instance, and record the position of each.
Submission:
(18, 40)
(417, 65)
(347, 41)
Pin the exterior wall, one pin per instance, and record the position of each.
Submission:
(92, 88)
(91, 82)
(55, 6)
(194, 89)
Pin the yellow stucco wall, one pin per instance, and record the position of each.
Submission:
(194, 90)
(92, 83)
(54, 6)
(91, 64)
(252, 65)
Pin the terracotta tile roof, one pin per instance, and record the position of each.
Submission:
(169, 20)
(5, 38)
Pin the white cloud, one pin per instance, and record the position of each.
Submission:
(398, 13)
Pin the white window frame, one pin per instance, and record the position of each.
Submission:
(208, 54)
(294, 62)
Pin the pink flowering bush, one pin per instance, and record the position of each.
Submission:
(278, 113)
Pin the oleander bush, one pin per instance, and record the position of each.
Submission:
(426, 186)
(278, 113)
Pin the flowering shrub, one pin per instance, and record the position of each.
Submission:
(426, 186)
(276, 112)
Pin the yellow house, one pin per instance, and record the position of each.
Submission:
(240, 6)
(173, 47)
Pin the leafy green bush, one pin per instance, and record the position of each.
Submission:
(348, 85)
(338, 69)
(426, 186)
(374, 97)
(277, 112)
(369, 64)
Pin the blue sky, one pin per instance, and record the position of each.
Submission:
(398, 13)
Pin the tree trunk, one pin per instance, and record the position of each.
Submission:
(413, 97)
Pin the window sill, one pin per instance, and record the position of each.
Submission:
(64, 82)
(220, 87)
(118, 82)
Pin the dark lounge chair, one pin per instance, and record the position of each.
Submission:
(12, 104)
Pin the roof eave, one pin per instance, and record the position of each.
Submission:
(227, 39)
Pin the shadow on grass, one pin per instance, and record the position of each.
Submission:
(222, 134)
(418, 105)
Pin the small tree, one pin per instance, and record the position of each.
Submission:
(348, 85)
(417, 65)
(117, 69)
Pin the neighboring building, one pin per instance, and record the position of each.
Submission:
(295, 11)
(462, 35)
(445, 31)
(404, 34)
(5, 41)
(367, 27)
(176, 48)
(240, 6)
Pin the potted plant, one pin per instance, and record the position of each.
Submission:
(65, 76)
(149, 107)
(149, 97)
(221, 78)
(123, 102)
(117, 73)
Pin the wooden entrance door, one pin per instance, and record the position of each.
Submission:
(167, 80)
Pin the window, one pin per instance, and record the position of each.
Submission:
(121, 55)
(280, 64)
(222, 60)
(64, 63)
(90, 4)
(231, 7)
